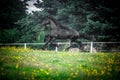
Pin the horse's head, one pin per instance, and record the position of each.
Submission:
(52, 21)
(45, 22)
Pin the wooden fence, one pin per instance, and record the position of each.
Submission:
(91, 46)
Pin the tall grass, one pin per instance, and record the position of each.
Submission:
(29, 64)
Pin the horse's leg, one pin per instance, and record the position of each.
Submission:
(71, 41)
(79, 44)
(51, 39)
(47, 43)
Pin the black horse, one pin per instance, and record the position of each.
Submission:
(58, 31)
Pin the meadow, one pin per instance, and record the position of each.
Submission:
(31, 64)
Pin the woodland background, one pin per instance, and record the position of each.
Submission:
(98, 17)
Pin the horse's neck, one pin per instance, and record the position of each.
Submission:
(54, 25)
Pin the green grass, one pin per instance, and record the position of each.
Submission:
(20, 64)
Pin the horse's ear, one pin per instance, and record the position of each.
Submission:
(50, 16)
(47, 16)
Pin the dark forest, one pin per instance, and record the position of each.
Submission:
(100, 18)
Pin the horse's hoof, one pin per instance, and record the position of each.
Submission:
(42, 48)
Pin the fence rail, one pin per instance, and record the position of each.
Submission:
(90, 46)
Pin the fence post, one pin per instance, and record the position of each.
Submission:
(24, 45)
(56, 49)
(91, 47)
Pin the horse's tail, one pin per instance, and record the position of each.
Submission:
(87, 36)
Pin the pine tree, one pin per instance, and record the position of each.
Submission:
(10, 12)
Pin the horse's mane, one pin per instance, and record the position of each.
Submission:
(54, 20)
(57, 23)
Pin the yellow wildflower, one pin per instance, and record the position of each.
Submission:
(23, 73)
(57, 73)
(49, 69)
(94, 72)
(80, 66)
(17, 65)
(33, 59)
(76, 73)
(110, 61)
(102, 72)
(47, 73)
(47, 65)
(69, 78)
(69, 64)
(71, 74)
(117, 68)
(74, 76)
(41, 70)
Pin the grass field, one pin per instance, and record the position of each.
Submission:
(29, 64)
